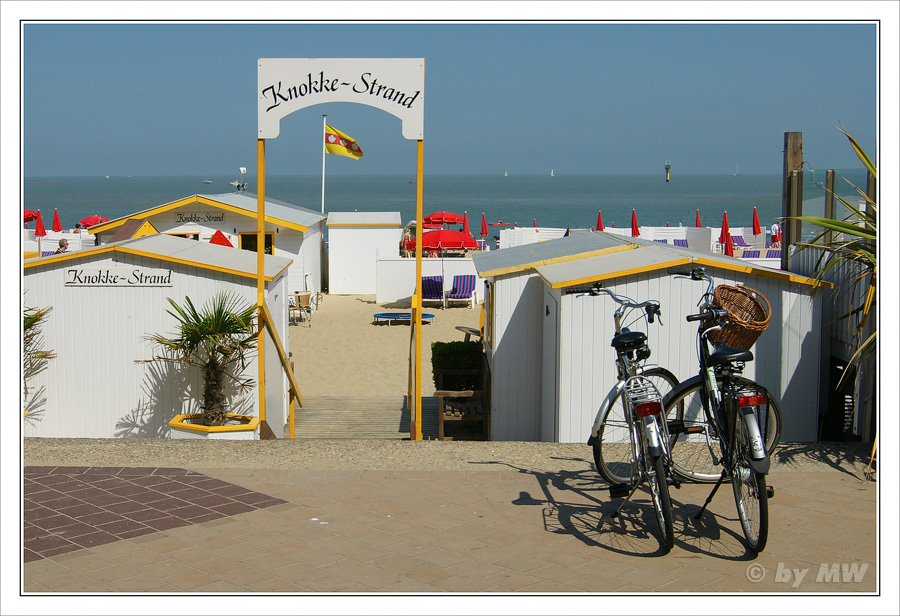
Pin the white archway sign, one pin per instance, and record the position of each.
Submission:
(394, 85)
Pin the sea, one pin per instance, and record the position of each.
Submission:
(560, 201)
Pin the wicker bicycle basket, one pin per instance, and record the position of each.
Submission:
(748, 317)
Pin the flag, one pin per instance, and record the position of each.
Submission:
(337, 142)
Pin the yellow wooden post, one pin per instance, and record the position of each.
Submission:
(416, 426)
(260, 279)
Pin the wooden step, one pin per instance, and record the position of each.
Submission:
(332, 417)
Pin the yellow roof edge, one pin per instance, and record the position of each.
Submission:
(566, 259)
(151, 255)
(780, 274)
(161, 209)
(628, 272)
(369, 224)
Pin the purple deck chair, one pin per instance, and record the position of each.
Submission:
(738, 241)
(682, 243)
(750, 254)
(773, 254)
(433, 289)
(463, 289)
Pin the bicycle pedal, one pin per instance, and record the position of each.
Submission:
(619, 490)
(694, 429)
(675, 426)
(770, 491)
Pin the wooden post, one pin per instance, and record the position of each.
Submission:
(260, 277)
(415, 428)
(791, 195)
(829, 202)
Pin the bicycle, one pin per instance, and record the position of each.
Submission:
(629, 437)
(722, 425)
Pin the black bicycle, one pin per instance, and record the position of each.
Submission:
(723, 426)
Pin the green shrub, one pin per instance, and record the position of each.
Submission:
(457, 355)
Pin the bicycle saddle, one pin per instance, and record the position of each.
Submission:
(724, 354)
(629, 341)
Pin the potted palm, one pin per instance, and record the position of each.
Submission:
(219, 340)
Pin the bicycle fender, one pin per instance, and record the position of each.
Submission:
(760, 466)
(604, 409)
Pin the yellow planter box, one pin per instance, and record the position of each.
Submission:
(248, 428)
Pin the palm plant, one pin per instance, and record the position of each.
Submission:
(851, 242)
(217, 339)
(34, 357)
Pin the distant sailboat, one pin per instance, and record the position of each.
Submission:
(736, 172)
(551, 173)
(506, 174)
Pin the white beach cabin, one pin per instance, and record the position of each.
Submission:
(547, 340)
(291, 231)
(355, 241)
(105, 301)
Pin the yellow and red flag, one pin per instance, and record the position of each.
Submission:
(337, 142)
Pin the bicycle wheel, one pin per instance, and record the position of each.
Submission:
(694, 447)
(659, 492)
(615, 449)
(749, 489)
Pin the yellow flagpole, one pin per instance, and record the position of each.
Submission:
(260, 280)
(416, 427)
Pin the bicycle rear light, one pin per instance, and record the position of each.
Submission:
(645, 409)
(755, 400)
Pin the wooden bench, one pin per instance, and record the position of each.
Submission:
(463, 405)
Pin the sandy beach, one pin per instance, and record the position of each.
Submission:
(344, 354)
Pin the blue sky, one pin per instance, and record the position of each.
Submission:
(180, 99)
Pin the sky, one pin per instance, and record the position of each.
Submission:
(157, 99)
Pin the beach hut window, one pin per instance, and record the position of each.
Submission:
(248, 242)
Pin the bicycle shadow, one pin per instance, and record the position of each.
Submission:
(577, 503)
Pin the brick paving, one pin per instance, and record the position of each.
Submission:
(504, 530)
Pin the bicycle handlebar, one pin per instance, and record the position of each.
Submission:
(651, 307)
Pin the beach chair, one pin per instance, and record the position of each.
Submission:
(433, 290)
(738, 241)
(682, 243)
(750, 254)
(662, 241)
(463, 290)
(300, 303)
(773, 254)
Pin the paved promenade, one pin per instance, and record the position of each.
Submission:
(484, 526)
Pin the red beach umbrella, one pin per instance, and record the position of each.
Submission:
(465, 228)
(599, 221)
(29, 215)
(444, 239)
(57, 226)
(725, 232)
(697, 223)
(729, 245)
(220, 239)
(484, 226)
(634, 225)
(90, 221)
(39, 230)
(443, 218)
(534, 222)
(756, 228)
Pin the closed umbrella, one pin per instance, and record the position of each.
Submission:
(534, 222)
(725, 232)
(39, 230)
(90, 221)
(484, 225)
(729, 245)
(697, 223)
(635, 231)
(756, 228)
(465, 228)
(57, 226)
(599, 221)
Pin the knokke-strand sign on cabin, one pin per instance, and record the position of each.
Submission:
(117, 277)
(394, 85)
